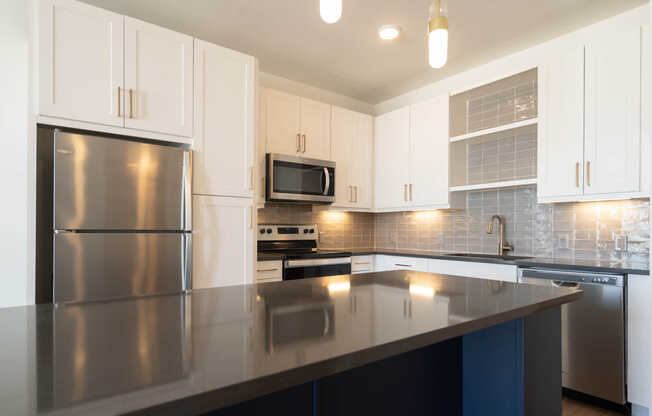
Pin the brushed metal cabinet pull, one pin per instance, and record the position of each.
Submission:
(405, 192)
(131, 103)
(267, 270)
(304, 143)
(298, 142)
(577, 175)
(588, 173)
(411, 192)
(402, 265)
(119, 96)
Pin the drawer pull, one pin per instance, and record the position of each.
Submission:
(362, 262)
(403, 265)
(267, 270)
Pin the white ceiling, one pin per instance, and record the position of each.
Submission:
(291, 41)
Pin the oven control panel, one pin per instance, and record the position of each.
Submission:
(287, 232)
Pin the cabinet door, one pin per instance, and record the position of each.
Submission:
(223, 241)
(561, 125)
(429, 152)
(280, 122)
(158, 79)
(392, 149)
(315, 129)
(344, 126)
(80, 62)
(613, 113)
(362, 165)
(224, 122)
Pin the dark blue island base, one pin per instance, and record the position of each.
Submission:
(508, 369)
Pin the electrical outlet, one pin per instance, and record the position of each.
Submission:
(621, 242)
(563, 241)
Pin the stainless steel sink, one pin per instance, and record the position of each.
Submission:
(489, 256)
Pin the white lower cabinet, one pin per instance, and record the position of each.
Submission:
(269, 271)
(639, 340)
(223, 241)
(363, 264)
(490, 271)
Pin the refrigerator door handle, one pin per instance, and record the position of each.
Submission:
(187, 262)
(187, 191)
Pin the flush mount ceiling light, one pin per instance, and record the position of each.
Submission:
(437, 35)
(330, 10)
(389, 32)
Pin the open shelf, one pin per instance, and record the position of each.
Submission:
(493, 185)
(484, 132)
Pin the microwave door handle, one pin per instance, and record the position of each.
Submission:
(328, 181)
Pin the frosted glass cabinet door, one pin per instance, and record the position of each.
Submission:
(613, 113)
(223, 156)
(80, 62)
(223, 241)
(561, 125)
(158, 79)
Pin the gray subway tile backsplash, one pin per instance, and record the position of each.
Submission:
(567, 230)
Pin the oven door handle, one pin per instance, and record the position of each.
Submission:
(294, 264)
(328, 181)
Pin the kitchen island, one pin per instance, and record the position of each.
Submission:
(382, 343)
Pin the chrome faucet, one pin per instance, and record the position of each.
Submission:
(503, 245)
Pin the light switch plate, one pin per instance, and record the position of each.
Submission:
(563, 241)
(620, 242)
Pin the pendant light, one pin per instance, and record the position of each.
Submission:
(437, 36)
(330, 10)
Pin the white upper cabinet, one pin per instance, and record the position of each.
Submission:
(102, 71)
(412, 158)
(561, 125)
(280, 122)
(294, 125)
(590, 123)
(80, 62)
(429, 152)
(223, 241)
(351, 149)
(315, 129)
(158, 79)
(613, 113)
(223, 157)
(391, 155)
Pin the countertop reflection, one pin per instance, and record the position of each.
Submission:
(122, 356)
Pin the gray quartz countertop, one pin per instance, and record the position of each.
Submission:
(588, 265)
(188, 354)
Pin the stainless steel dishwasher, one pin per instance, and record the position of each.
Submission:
(593, 330)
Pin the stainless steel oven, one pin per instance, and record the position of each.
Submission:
(292, 178)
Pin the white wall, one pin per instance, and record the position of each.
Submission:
(16, 220)
(314, 93)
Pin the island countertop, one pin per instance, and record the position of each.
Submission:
(214, 348)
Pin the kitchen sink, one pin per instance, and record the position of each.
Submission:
(489, 256)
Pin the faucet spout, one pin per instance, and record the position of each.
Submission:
(503, 245)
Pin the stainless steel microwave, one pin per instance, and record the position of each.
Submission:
(299, 179)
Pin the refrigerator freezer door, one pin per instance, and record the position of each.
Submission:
(110, 184)
(99, 266)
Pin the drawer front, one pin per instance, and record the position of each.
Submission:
(362, 264)
(269, 271)
(504, 272)
(406, 263)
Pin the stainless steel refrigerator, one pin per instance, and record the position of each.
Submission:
(121, 217)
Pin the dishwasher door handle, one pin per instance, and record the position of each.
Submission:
(559, 283)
